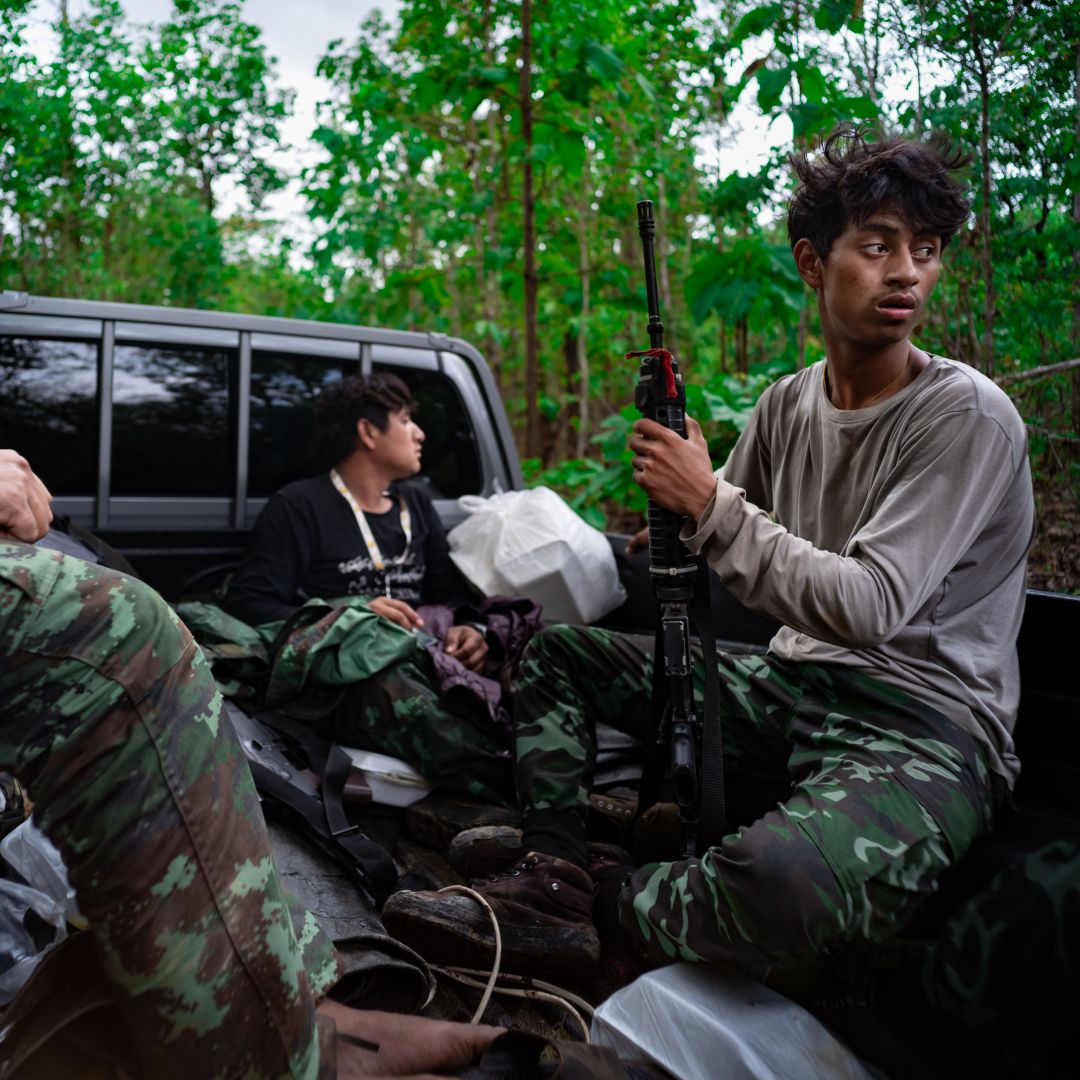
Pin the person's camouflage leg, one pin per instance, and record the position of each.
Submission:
(993, 992)
(571, 678)
(399, 712)
(1003, 978)
(885, 794)
(111, 718)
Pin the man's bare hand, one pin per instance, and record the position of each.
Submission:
(397, 611)
(467, 645)
(639, 540)
(24, 500)
(674, 472)
(410, 1046)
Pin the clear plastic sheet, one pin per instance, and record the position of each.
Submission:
(19, 953)
(700, 1021)
(27, 850)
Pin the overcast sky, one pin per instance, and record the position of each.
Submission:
(297, 32)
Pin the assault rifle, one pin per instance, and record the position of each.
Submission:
(682, 594)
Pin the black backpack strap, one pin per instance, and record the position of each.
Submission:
(324, 813)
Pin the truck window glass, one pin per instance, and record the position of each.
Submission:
(47, 399)
(283, 387)
(173, 426)
(451, 464)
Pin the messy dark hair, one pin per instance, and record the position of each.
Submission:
(852, 177)
(343, 404)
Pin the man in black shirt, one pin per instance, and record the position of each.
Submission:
(355, 531)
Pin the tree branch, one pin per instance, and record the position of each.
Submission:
(1050, 433)
(1037, 373)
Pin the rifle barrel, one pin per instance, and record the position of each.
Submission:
(647, 232)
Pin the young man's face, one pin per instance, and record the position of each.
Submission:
(875, 282)
(397, 448)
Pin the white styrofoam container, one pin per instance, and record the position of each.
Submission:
(392, 781)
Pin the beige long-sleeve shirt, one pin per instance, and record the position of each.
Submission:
(893, 539)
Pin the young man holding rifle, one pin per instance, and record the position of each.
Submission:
(879, 505)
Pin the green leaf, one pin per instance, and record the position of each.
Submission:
(549, 407)
(646, 86)
(602, 61)
(832, 14)
(772, 82)
(808, 118)
(757, 21)
(493, 75)
(812, 83)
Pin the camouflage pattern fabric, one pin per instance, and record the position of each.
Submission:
(1003, 977)
(396, 702)
(846, 799)
(110, 717)
(399, 712)
(330, 643)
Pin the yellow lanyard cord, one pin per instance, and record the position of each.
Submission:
(377, 559)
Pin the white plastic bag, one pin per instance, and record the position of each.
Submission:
(19, 955)
(28, 850)
(530, 543)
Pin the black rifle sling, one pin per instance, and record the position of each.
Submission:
(713, 811)
(655, 759)
(712, 824)
(327, 818)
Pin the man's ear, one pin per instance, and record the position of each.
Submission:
(365, 434)
(808, 262)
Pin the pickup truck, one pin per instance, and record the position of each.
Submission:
(165, 430)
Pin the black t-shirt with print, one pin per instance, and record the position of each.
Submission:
(306, 543)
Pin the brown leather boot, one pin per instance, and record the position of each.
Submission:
(488, 849)
(543, 906)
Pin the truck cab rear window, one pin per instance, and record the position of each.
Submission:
(450, 462)
(173, 421)
(283, 389)
(48, 394)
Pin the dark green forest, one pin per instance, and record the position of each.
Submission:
(477, 170)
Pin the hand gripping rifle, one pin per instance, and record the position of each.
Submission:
(680, 581)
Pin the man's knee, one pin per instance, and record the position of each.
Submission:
(551, 640)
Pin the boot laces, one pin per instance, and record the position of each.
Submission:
(513, 871)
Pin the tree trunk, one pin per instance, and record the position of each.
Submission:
(742, 360)
(1076, 263)
(584, 420)
(528, 211)
(985, 222)
(489, 281)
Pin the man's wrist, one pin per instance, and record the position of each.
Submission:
(702, 499)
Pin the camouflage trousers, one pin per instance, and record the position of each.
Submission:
(999, 987)
(109, 716)
(846, 798)
(400, 712)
